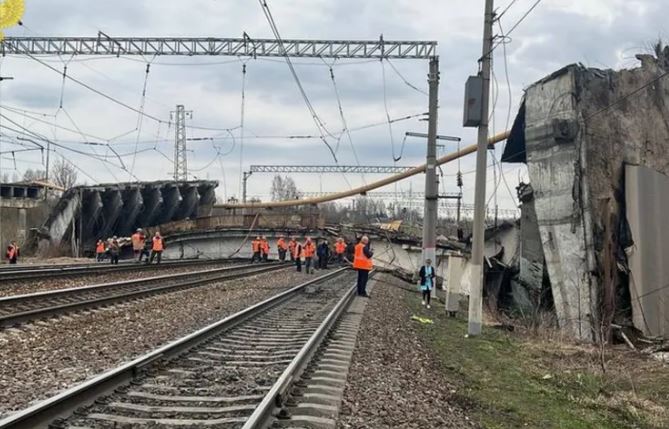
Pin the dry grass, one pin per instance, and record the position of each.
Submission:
(537, 378)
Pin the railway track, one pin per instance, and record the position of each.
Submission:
(22, 308)
(231, 374)
(34, 272)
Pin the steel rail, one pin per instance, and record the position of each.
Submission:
(208, 276)
(63, 404)
(263, 416)
(30, 273)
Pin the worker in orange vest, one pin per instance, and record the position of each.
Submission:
(340, 249)
(281, 247)
(291, 248)
(362, 262)
(255, 249)
(296, 255)
(100, 250)
(157, 247)
(138, 239)
(264, 248)
(12, 254)
(114, 250)
(309, 251)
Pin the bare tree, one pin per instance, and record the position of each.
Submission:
(64, 174)
(33, 175)
(284, 188)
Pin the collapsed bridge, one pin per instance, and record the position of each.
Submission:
(85, 214)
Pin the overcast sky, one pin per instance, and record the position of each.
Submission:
(597, 33)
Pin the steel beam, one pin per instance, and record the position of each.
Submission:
(210, 46)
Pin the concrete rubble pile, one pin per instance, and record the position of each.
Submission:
(595, 144)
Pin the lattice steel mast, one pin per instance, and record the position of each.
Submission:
(180, 149)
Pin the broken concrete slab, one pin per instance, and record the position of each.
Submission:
(647, 203)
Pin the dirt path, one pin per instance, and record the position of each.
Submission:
(394, 381)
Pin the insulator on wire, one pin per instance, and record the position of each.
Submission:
(459, 179)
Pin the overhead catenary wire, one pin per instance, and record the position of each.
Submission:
(47, 140)
(405, 80)
(317, 120)
(513, 27)
(140, 117)
(387, 111)
(345, 130)
(113, 99)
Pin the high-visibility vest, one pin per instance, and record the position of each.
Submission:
(100, 248)
(291, 246)
(158, 244)
(297, 251)
(340, 247)
(281, 244)
(264, 245)
(255, 246)
(309, 250)
(137, 241)
(12, 251)
(360, 260)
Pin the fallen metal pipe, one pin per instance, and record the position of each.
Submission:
(363, 189)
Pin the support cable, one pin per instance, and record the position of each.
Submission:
(112, 99)
(385, 106)
(345, 129)
(140, 117)
(406, 82)
(317, 121)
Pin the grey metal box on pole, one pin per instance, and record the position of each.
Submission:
(473, 111)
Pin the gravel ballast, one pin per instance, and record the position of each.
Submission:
(11, 288)
(46, 357)
(394, 381)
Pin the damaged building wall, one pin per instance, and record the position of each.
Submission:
(555, 168)
(580, 127)
(625, 120)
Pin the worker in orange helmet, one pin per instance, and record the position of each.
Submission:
(362, 263)
(309, 251)
(157, 248)
(282, 248)
(255, 248)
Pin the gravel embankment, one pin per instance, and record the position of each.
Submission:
(394, 381)
(39, 285)
(44, 358)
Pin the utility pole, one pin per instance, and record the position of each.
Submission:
(431, 178)
(180, 154)
(476, 293)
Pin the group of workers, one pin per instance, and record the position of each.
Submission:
(318, 255)
(142, 247)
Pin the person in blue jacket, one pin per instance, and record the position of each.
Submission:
(427, 281)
